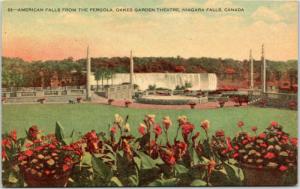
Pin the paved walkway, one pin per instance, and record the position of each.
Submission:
(208, 105)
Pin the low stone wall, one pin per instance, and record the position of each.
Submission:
(43, 93)
(62, 99)
(26, 96)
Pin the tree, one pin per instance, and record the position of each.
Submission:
(293, 76)
(107, 75)
(98, 75)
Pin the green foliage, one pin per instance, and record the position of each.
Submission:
(59, 132)
(17, 72)
(146, 161)
(164, 182)
(198, 182)
(102, 172)
(152, 87)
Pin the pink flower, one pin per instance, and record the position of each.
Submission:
(254, 129)
(269, 155)
(294, 141)
(240, 124)
(235, 155)
(273, 124)
(262, 135)
(283, 168)
(263, 145)
(245, 142)
(219, 133)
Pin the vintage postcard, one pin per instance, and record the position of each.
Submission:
(137, 93)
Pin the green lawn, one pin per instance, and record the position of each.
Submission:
(84, 117)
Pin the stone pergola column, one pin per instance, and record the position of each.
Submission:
(263, 70)
(251, 70)
(131, 68)
(88, 74)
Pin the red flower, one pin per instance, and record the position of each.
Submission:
(294, 141)
(168, 157)
(113, 130)
(68, 159)
(285, 137)
(263, 145)
(47, 172)
(4, 155)
(236, 147)
(39, 148)
(182, 146)
(254, 128)
(262, 135)
(279, 132)
(235, 155)
(27, 145)
(92, 141)
(283, 168)
(66, 167)
(240, 124)
(28, 153)
(245, 141)
(6, 143)
(269, 155)
(33, 132)
(187, 128)
(13, 135)
(229, 146)
(273, 124)
(219, 133)
(157, 130)
(52, 146)
(142, 129)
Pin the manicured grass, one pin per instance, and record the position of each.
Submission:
(84, 117)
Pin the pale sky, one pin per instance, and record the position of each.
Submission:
(52, 35)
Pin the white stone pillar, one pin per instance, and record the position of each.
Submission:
(88, 74)
(263, 69)
(251, 70)
(131, 68)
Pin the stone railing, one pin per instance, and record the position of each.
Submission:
(30, 89)
(43, 93)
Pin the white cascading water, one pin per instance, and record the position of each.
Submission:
(201, 81)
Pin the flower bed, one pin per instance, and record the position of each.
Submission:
(117, 158)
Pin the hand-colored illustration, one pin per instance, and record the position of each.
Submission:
(149, 93)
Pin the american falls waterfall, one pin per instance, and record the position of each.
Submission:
(199, 81)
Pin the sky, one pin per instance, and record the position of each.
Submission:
(59, 35)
